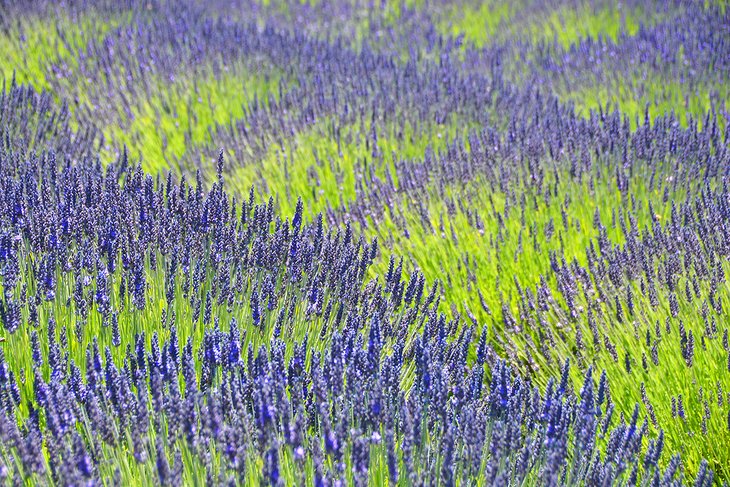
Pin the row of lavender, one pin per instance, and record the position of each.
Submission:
(363, 397)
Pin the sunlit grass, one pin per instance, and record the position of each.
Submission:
(31, 47)
(180, 113)
(654, 95)
(328, 171)
(493, 21)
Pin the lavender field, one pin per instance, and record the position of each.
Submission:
(349, 242)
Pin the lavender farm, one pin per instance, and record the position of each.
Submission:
(330, 243)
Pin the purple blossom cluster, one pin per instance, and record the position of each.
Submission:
(32, 122)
